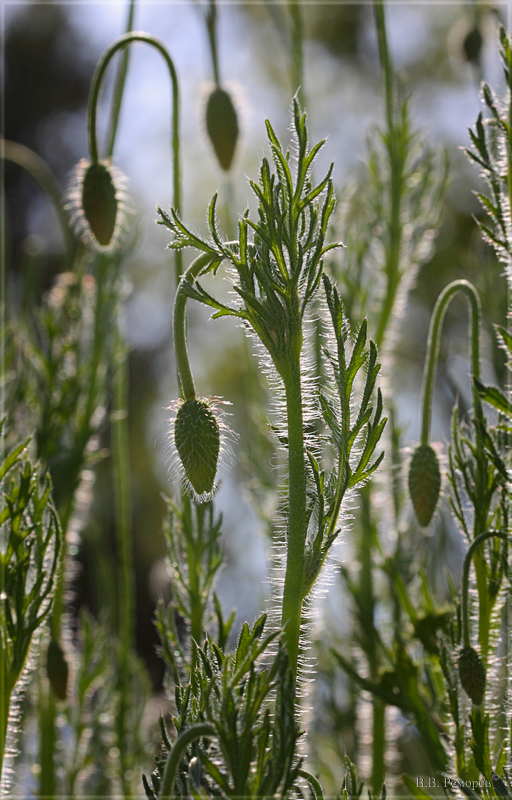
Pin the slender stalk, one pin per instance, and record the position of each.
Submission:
(194, 552)
(188, 389)
(121, 462)
(117, 98)
(120, 455)
(433, 349)
(396, 164)
(465, 580)
(99, 73)
(293, 593)
(379, 745)
(186, 738)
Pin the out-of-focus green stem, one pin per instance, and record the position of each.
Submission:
(297, 50)
(121, 462)
(121, 459)
(211, 27)
(117, 97)
(41, 172)
(396, 167)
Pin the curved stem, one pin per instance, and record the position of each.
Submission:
(438, 314)
(120, 44)
(41, 172)
(198, 731)
(465, 580)
(314, 783)
(188, 389)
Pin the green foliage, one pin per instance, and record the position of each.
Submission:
(277, 273)
(57, 373)
(195, 557)
(29, 559)
(251, 748)
(349, 432)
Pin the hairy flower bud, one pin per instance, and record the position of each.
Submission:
(222, 126)
(96, 201)
(197, 440)
(472, 674)
(99, 201)
(424, 483)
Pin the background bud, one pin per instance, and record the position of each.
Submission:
(424, 483)
(222, 126)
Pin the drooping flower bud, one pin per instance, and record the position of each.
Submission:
(222, 126)
(197, 440)
(96, 201)
(472, 674)
(424, 483)
(57, 670)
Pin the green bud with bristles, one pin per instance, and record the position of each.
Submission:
(222, 126)
(197, 439)
(472, 674)
(99, 202)
(424, 483)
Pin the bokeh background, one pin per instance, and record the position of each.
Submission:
(50, 50)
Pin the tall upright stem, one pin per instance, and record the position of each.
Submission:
(293, 594)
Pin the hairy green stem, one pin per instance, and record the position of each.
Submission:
(293, 593)
(188, 389)
(433, 349)
(42, 174)
(465, 580)
(186, 738)
(120, 44)
(117, 97)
